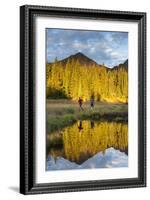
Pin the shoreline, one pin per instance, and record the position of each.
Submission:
(65, 113)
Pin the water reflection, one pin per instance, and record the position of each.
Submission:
(84, 139)
(92, 124)
(80, 126)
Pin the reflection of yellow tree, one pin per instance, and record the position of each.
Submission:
(89, 141)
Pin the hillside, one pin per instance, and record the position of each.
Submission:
(68, 78)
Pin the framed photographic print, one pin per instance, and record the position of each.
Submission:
(82, 99)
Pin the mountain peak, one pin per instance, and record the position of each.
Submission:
(80, 54)
(81, 58)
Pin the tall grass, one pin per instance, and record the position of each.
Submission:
(65, 113)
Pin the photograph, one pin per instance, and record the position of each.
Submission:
(86, 99)
(82, 99)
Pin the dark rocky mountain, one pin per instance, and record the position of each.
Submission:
(82, 59)
(86, 61)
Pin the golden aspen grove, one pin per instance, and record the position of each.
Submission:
(73, 80)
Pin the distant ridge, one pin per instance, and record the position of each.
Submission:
(122, 65)
(126, 63)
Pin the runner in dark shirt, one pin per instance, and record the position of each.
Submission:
(80, 101)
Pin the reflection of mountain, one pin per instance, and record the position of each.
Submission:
(111, 159)
(77, 145)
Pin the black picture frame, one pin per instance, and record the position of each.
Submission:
(27, 99)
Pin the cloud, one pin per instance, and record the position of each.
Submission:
(108, 50)
(103, 47)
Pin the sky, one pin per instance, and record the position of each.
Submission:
(109, 48)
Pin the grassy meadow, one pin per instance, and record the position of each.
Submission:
(62, 113)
